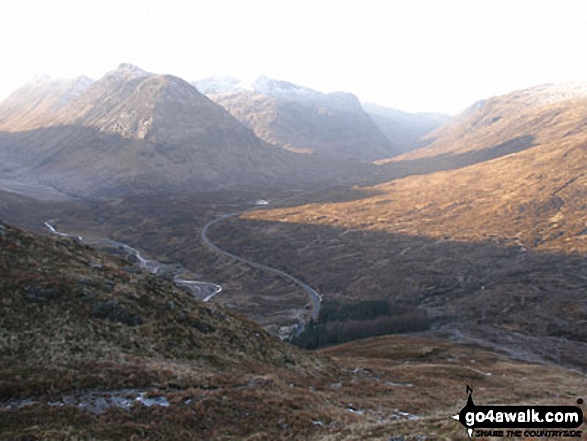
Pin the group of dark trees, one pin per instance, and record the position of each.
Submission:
(339, 323)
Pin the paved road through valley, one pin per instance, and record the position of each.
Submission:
(315, 298)
(201, 290)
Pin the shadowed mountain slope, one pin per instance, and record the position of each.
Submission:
(302, 120)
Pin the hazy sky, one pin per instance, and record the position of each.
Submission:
(416, 55)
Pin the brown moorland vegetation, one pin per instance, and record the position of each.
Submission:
(78, 323)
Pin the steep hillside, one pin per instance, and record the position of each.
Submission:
(302, 120)
(405, 130)
(67, 306)
(139, 132)
(77, 325)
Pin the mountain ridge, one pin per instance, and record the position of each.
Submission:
(546, 112)
(36, 102)
(302, 120)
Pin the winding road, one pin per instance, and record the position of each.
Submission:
(59, 233)
(206, 290)
(201, 290)
(315, 298)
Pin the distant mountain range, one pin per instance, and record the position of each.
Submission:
(135, 131)
(300, 119)
(479, 220)
(307, 121)
(405, 130)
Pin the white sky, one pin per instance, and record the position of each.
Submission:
(416, 55)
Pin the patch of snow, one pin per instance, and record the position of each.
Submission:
(155, 401)
(391, 383)
(553, 93)
(215, 85)
(132, 68)
(79, 86)
(276, 88)
(405, 415)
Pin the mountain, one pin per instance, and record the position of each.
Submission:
(37, 102)
(530, 186)
(300, 119)
(405, 130)
(494, 247)
(133, 131)
(535, 116)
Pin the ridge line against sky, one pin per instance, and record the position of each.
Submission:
(418, 55)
